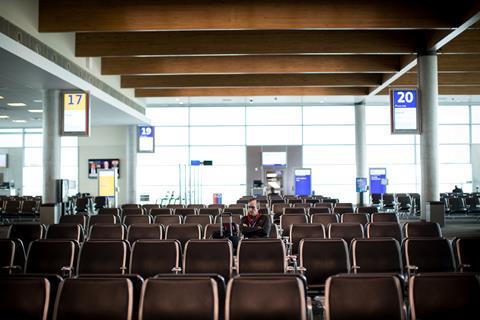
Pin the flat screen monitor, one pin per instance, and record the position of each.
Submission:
(96, 164)
(3, 160)
(274, 159)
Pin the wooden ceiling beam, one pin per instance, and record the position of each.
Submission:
(459, 63)
(450, 90)
(251, 80)
(251, 91)
(444, 79)
(248, 42)
(467, 43)
(250, 64)
(125, 15)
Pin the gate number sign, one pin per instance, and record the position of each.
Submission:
(404, 111)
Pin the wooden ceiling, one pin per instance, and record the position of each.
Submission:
(265, 47)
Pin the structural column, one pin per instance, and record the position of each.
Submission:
(360, 147)
(131, 192)
(51, 143)
(428, 98)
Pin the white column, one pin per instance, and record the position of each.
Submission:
(428, 98)
(131, 192)
(360, 147)
(51, 143)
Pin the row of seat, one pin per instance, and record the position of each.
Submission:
(250, 297)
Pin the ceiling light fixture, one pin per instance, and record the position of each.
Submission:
(37, 100)
(4, 117)
(35, 110)
(16, 104)
(19, 121)
(1, 97)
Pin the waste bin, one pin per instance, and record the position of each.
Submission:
(435, 212)
(50, 213)
(217, 198)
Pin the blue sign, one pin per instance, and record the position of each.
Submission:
(146, 139)
(195, 162)
(404, 111)
(378, 180)
(361, 184)
(303, 182)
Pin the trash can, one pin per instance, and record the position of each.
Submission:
(217, 198)
(435, 212)
(50, 213)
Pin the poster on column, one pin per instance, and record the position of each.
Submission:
(106, 183)
(75, 113)
(146, 139)
(404, 111)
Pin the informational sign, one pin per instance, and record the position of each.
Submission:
(378, 180)
(195, 162)
(146, 139)
(404, 111)
(361, 184)
(75, 113)
(303, 182)
(106, 183)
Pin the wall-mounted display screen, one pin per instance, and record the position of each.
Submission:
(75, 117)
(96, 164)
(405, 115)
(146, 139)
(3, 160)
(274, 158)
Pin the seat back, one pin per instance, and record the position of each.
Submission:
(167, 220)
(209, 256)
(385, 217)
(209, 211)
(13, 304)
(323, 258)
(101, 256)
(52, 256)
(111, 211)
(428, 255)
(130, 206)
(274, 232)
(80, 219)
(202, 220)
(422, 229)
(236, 218)
(315, 210)
(166, 297)
(29, 207)
(151, 257)
(94, 298)
(362, 218)
(102, 218)
(444, 296)
(148, 207)
(369, 210)
(27, 232)
(346, 231)
(183, 232)
(7, 255)
(343, 210)
(132, 212)
(373, 297)
(65, 231)
(160, 211)
(137, 218)
(261, 256)
(235, 211)
(184, 211)
(288, 219)
(324, 218)
(294, 210)
(304, 231)
(107, 231)
(376, 255)
(385, 229)
(280, 298)
(142, 231)
(466, 252)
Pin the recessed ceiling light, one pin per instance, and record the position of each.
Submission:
(37, 100)
(4, 117)
(19, 121)
(16, 104)
(35, 110)
(1, 97)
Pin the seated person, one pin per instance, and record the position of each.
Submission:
(457, 190)
(254, 224)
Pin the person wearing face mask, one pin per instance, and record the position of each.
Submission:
(254, 224)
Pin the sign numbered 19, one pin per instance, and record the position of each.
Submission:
(146, 139)
(404, 111)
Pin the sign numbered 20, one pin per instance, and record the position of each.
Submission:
(75, 113)
(146, 139)
(404, 111)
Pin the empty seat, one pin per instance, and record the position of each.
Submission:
(236, 218)
(167, 220)
(384, 217)
(184, 211)
(175, 206)
(323, 258)
(19, 255)
(107, 231)
(14, 303)
(27, 232)
(369, 210)
(103, 218)
(287, 220)
(345, 231)
(324, 218)
(151, 257)
(235, 211)
(80, 219)
(324, 205)
(7, 255)
(98, 257)
(294, 210)
(94, 298)
(466, 253)
(376, 255)
(261, 256)
(134, 218)
(315, 210)
(138, 231)
(82, 204)
(256, 298)
(65, 231)
(29, 208)
(131, 206)
(209, 256)
(362, 218)
(364, 297)
(148, 207)
(304, 231)
(132, 211)
(160, 211)
(187, 297)
(183, 232)
(12, 208)
(52, 256)
(114, 211)
(422, 229)
(343, 210)
(428, 255)
(217, 205)
(385, 229)
(209, 211)
(444, 296)
(274, 232)
(202, 220)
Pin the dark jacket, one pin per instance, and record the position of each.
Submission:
(261, 229)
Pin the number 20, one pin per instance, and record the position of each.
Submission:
(405, 97)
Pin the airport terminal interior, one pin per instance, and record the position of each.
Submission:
(199, 159)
